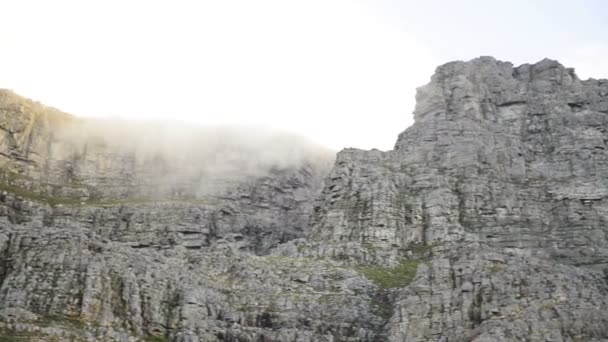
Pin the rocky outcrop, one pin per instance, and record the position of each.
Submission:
(107, 236)
(485, 223)
(514, 157)
(502, 179)
(157, 184)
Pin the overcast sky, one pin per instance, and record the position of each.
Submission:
(342, 73)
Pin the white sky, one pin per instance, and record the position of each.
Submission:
(342, 73)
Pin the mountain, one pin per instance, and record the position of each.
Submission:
(486, 222)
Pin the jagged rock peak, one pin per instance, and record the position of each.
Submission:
(481, 90)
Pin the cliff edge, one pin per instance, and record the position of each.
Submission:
(487, 222)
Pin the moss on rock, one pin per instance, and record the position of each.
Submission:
(390, 277)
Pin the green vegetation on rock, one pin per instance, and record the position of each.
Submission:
(11, 335)
(390, 277)
(61, 320)
(37, 197)
(71, 201)
(420, 248)
(8, 338)
(156, 338)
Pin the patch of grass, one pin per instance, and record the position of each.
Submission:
(54, 319)
(420, 248)
(547, 305)
(495, 267)
(12, 181)
(371, 247)
(38, 197)
(122, 201)
(11, 335)
(273, 307)
(71, 201)
(390, 277)
(157, 338)
(8, 338)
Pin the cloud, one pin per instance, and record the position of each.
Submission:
(168, 156)
(329, 70)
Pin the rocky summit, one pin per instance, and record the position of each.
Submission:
(488, 221)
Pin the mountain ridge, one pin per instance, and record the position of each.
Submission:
(485, 223)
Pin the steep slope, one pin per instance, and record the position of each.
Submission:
(485, 223)
(514, 157)
(114, 231)
(502, 184)
(215, 184)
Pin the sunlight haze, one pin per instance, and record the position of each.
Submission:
(342, 73)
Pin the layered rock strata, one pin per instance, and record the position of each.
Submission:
(485, 223)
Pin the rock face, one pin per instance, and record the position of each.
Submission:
(487, 222)
(153, 184)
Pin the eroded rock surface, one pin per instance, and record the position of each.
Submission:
(487, 222)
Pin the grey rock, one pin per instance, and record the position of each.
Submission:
(487, 222)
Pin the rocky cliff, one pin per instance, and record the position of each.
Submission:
(487, 222)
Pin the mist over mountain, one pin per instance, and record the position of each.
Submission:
(486, 222)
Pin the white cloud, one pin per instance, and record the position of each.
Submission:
(325, 69)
